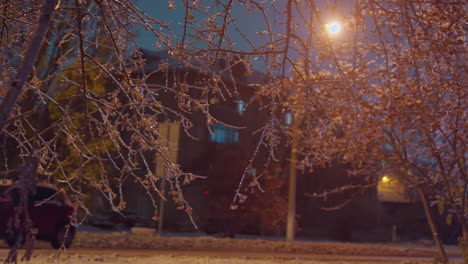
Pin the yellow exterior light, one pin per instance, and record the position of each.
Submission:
(213, 101)
(385, 179)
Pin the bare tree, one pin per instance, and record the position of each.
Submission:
(390, 87)
(76, 104)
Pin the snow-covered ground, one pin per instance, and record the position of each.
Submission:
(173, 259)
(190, 243)
(124, 247)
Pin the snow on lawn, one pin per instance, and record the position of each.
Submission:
(130, 241)
(113, 248)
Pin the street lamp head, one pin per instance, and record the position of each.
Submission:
(333, 28)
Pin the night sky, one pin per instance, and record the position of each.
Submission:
(250, 23)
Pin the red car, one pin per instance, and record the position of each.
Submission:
(50, 210)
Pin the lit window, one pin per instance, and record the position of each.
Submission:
(240, 107)
(224, 134)
(288, 118)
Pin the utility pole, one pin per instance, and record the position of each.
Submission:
(291, 219)
(161, 206)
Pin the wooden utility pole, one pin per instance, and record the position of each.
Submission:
(291, 219)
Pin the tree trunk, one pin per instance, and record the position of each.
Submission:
(463, 241)
(442, 256)
(28, 175)
(21, 229)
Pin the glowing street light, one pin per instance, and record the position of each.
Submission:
(333, 28)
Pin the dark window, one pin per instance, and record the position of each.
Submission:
(43, 194)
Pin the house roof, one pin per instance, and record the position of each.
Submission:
(156, 58)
